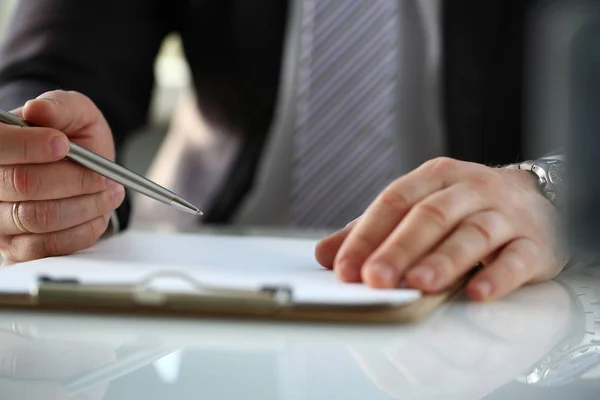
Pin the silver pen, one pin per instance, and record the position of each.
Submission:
(114, 171)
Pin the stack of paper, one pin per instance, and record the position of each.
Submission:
(229, 261)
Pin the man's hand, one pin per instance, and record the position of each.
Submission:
(62, 206)
(431, 226)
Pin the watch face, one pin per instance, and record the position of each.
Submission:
(555, 174)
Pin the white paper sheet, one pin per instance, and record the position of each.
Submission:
(231, 261)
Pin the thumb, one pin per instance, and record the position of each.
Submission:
(75, 115)
(67, 112)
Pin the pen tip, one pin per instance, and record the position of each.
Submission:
(186, 206)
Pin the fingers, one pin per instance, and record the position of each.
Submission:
(425, 226)
(378, 221)
(57, 215)
(328, 247)
(515, 265)
(25, 182)
(390, 207)
(35, 145)
(475, 238)
(28, 247)
(76, 116)
(65, 111)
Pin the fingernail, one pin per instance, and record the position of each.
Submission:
(423, 275)
(381, 275)
(483, 288)
(59, 147)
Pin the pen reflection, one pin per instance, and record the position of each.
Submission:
(34, 369)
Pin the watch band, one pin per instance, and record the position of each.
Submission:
(549, 172)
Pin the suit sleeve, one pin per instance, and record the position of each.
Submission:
(104, 49)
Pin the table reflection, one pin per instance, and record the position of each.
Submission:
(533, 338)
(41, 368)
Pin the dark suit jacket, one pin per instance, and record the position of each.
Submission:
(106, 48)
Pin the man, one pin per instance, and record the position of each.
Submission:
(361, 82)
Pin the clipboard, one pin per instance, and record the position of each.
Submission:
(225, 277)
(268, 303)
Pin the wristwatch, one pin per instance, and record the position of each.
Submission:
(550, 174)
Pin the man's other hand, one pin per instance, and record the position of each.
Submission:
(431, 226)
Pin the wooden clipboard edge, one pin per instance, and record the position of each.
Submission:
(411, 312)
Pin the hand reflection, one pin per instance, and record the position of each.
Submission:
(32, 369)
(469, 350)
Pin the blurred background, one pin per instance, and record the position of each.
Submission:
(555, 24)
(556, 21)
(172, 83)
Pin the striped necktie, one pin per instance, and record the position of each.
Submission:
(345, 127)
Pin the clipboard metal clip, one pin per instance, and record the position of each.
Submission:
(52, 291)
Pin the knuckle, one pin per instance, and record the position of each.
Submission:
(94, 229)
(26, 148)
(97, 228)
(393, 251)
(452, 255)
(86, 107)
(90, 182)
(100, 203)
(526, 251)
(26, 248)
(485, 181)
(360, 245)
(519, 260)
(36, 146)
(512, 271)
(433, 212)
(441, 164)
(443, 263)
(52, 244)
(394, 199)
(20, 179)
(484, 225)
(45, 215)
